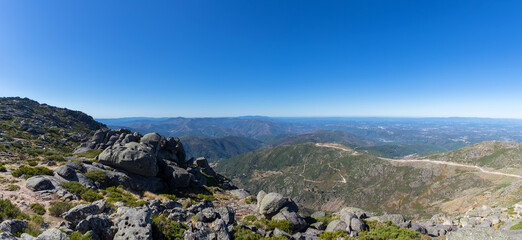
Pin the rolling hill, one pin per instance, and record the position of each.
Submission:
(328, 176)
(215, 149)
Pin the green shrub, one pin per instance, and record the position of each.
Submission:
(273, 224)
(91, 196)
(251, 200)
(91, 153)
(34, 226)
(3, 169)
(10, 211)
(207, 197)
(387, 230)
(55, 158)
(118, 194)
(327, 219)
(249, 219)
(12, 187)
(79, 236)
(38, 208)
(163, 228)
(74, 187)
(516, 226)
(170, 196)
(98, 176)
(58, 208)
(333, 235)
(246, 234)
(85, 193)
(28, 172)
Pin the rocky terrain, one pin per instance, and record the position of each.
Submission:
(120, 184)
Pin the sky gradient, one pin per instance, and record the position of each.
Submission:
(273, 58)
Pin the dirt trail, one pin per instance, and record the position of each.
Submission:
(337, 146)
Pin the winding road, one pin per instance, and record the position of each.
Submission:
(340, 147)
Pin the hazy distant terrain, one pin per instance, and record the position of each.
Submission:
(386, 137)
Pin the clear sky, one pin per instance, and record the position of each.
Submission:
(273, 58)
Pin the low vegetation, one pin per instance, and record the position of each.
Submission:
(58, 208)
(10, 211)
(85, 193)
(246, 234)
(118, 194)
(12, 187)
(98, 176)
(517, 226)
(28, 172)
(91, 153)
(38, 208)
(80, 236)
(166, 229)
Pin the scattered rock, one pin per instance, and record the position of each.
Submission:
(39, 183)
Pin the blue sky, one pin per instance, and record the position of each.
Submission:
(274, 58)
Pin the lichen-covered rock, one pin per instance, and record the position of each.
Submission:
(477, 234)
(133, 157)
(337, 225)
(39, 183)
(272, 203)
(394, 218)
(239, 193)
(133, 224)
(53, 234)
(294, 218)
(227, 214)
(66, 172)
(13, 226)
(80, 212)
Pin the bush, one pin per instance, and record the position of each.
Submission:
(91, 153)
(79, 236)
(10, 211)
(3, 169)
(28, 172)
(34, 226)
(246, 234)
(333, 235)
(85, 193)
(249, 219)
(55, 158)
(12, 187)
(387, 230)
(38, 208)
(58, 208)
(118, 194)
(516, 226)
(91, 196)
(163, 228)
(98, 176)
(270, 225)
(327, 219)
(251, 200)
(74, 187)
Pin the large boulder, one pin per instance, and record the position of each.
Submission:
(133, 157)
(39, 183)
(240, 193)
(133, 224)
(96, 224)
(294, 218)
(272, 203)
(52, 234)
(13, 226)
(66, 172)
(337, 225)
(227, 214)
(80, 212)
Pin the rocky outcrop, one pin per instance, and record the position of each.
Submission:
(133, 157)
(39, 183)
(80, 212)
(133, 223)
(13, 226)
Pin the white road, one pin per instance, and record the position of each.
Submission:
(339, 147)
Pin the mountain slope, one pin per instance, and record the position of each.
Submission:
(493, 154)
(217, 148)
(325, 136)
(208, 127)
(326, 178)
(26, 124)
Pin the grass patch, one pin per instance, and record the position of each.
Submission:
(85, 193)
(10, 211)
(12, 187)
(327, 219)
(516, 226)
(98, 176)
(91, 153)
(333, 235)
(80, 236)
(163, 228)
(58, 208)
(387, 230)
(38, 208)
(270, 225)
(28, 172)
(118, 194)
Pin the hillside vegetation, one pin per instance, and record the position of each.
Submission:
(327, 178)
(217, 148)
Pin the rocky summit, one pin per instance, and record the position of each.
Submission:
(120, 184)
